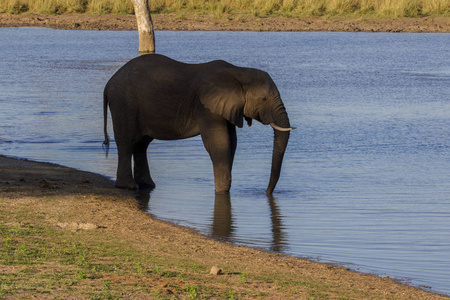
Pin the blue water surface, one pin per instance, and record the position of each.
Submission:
(365, 181)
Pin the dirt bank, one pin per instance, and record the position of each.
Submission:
(226, 22)
(70, 205)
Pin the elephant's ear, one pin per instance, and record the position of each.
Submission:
(222, 94)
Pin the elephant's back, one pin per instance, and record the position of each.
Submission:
(156, 62)
(154, 70)
(157, 92)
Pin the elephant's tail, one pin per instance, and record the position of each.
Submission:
(105, 122)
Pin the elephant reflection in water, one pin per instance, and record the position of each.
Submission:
(222, 221)
(222, 226)
(155, 97)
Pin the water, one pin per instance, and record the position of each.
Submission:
(366, 179)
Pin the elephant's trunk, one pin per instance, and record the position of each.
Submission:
(280, 142)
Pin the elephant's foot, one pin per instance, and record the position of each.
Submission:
(146, 186)
(222, 181)
(145, 183)
(222, 187)
(126, 184)
(223, 192)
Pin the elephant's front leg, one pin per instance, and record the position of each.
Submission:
(219, 138)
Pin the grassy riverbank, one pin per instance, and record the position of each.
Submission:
(66, 234)
(287, 8)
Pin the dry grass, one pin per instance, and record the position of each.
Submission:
(299, 8)
(66, 6)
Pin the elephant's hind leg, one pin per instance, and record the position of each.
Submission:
(141, 168)
(124, 174)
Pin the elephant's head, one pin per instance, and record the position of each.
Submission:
(243, 93)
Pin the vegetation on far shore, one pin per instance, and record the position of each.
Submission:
(292, 8)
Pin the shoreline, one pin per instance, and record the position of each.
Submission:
(86, 208)
(195, 22)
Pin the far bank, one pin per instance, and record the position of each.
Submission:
(227, 22)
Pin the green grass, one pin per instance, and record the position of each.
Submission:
(39, 260)
(43, 260)
(296, 8)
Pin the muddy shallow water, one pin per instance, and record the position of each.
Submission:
(366, 178)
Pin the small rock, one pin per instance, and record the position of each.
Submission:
(215, 271)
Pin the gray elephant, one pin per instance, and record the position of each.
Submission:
(155, 97)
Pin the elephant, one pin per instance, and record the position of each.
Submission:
(155, 97)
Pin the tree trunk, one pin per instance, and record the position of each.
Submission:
(145, 26)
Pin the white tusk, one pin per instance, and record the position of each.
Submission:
(281, 128)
